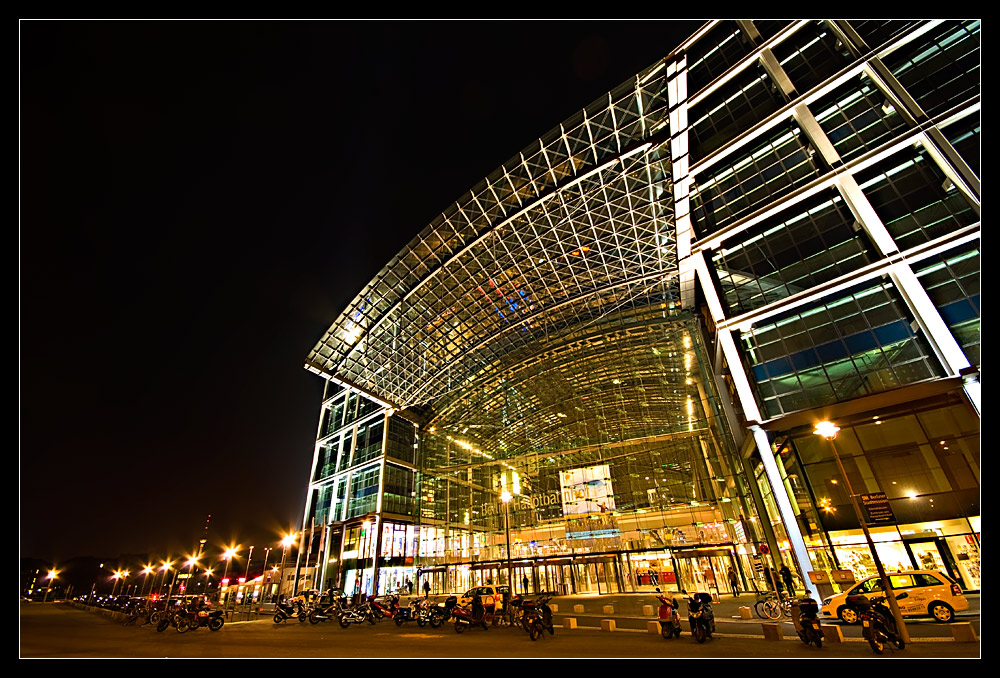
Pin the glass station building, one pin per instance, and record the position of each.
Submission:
(630, 330)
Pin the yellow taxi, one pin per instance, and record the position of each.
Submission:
(490, 594)
(928, 593)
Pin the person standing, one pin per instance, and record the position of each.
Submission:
(524, 584)
(733, 582)
(786, 576)
(427, 588)
(409, 586)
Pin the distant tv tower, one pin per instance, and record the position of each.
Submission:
(204, 535)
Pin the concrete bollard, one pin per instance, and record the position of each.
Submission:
(647, 610)
(746, 613)
(653, 627)
(569, 623)
(607, 624)
(963, 632)
(609, 609)
(772, 631)
(578, 609)
(833, 634)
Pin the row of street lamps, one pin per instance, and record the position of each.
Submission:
(121, 575)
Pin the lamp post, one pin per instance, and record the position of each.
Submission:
(164, 568)
(52, 577)
(191, 562)
(286, 541)
(228, 555)
(116, 576)
(146, 571)
(828, 430)
(246, 576)
(263, 572)
(505, 497)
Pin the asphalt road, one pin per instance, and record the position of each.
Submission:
(61, 631)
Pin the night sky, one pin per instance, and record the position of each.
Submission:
(198, 202)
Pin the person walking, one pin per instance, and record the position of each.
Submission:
(409, 586)
(733, 582)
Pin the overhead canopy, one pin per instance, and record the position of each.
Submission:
(576, 227)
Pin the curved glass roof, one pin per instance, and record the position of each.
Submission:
(574, 230)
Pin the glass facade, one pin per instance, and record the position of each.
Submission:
(630, 328)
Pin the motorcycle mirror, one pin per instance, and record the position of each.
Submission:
(658, 589)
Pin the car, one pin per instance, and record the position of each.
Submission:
(490, 594)
(929, 593)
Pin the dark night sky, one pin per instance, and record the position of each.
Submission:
(199, 200)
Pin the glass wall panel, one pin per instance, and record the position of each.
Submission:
(965, 136)
(722, 115)
(952, 282)
(914, 200)
(857, 117)
(760, 173)
(942, 67)
(809, 244)
(811, 55)
(839, 349)
(724, 47)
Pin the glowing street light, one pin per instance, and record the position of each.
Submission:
(146, 571)
(228, 556)
(53, 573)
(828, 430)
(287, 541)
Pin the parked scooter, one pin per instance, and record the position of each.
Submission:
(701, 618)
(808, 626)
(385, 608)
(670, 621)
(283, 611)
(474, 615)
(418, 610)
(878, 626)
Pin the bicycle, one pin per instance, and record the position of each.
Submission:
(771, 607)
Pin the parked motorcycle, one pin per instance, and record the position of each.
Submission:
(442, 612)
(356, 614)
(670, 620)
(700, 616)
(878, 626)
(418, 610)
(329, 608)
(193, 619)
(536, 616)
(808, 627)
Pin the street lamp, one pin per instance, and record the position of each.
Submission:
(828, 430)
(505, 497)
(116, 576)
(228, 555)
(286, 541)
(146, 571)
(267, 552)
(53, 573)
